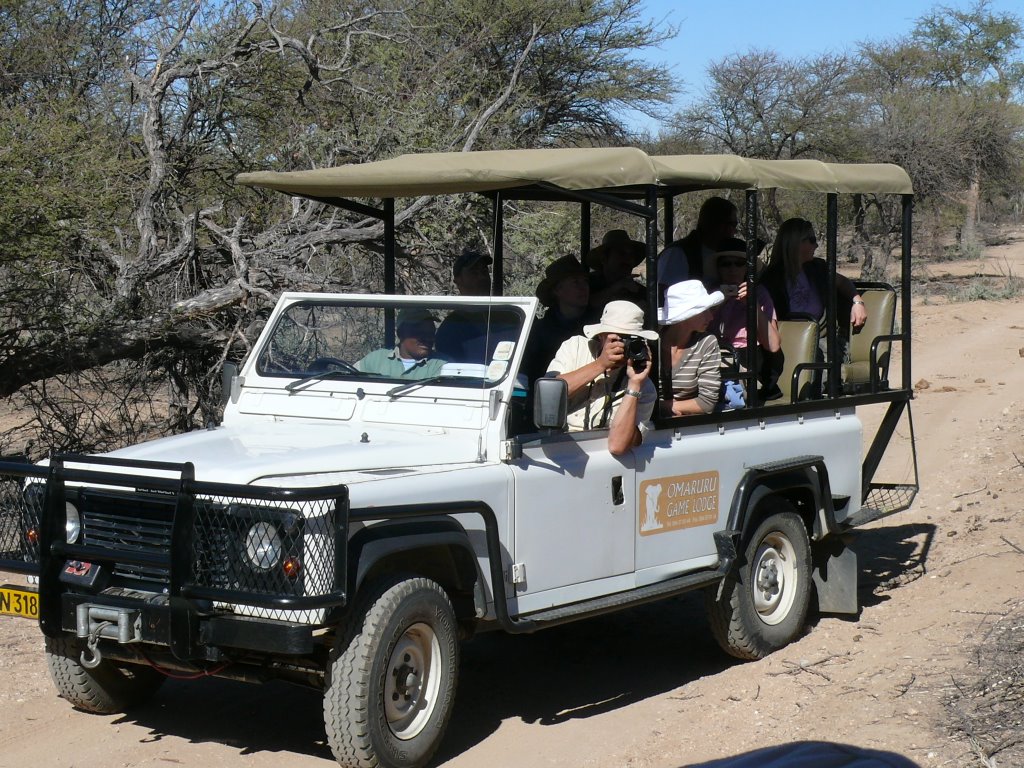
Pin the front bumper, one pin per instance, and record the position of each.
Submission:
(176, 555)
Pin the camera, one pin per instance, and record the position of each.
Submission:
(637, 352)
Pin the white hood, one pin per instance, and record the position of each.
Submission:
(251, 451)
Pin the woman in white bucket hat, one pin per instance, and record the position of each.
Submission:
(692, 352)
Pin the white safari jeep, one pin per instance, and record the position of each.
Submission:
(345, 528)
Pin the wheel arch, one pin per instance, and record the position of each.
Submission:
(438, 549)
(802, 481)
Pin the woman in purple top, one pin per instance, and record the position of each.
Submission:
(798, 283)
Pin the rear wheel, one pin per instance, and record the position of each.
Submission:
(392, 676)
(106, 689)
(764, 602)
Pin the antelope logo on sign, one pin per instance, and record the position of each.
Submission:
(682, 501)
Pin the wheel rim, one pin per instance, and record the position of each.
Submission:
(774, 578)
(413, 680)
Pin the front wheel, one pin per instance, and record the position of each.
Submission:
(106, 689)
(764, 602)
(392, 675)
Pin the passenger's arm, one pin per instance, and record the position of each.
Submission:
(582, 376)
(624, 431)
(858, 315)
(687, 407)
(613, 355)
(768, 332)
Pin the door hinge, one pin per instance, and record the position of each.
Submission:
(511, 450)
(518, 573)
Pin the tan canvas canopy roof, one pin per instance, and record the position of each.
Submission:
(688, 172)
(607, 169)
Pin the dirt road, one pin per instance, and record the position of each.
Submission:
(649, 687)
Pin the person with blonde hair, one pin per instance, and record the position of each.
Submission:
(799, 287)
(798, 282)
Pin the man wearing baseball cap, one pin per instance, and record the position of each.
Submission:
(410, 359)
(469, 334)
(606, 390)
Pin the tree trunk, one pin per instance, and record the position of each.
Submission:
(972, 206)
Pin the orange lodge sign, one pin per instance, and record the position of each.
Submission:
(681, 501)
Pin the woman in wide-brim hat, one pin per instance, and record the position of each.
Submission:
(565, 268)
(691, 351)
(612, 263)
(565, 292)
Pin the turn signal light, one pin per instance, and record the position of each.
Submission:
(32, 534)
(291, 567)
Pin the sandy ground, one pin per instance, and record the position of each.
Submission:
(649, 687)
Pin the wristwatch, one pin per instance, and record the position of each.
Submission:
(858, 301)
(631, 393)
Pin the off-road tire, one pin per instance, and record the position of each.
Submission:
(751, 619)
(107, 689)
(392, 675)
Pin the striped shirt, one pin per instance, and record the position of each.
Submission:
(697, 373)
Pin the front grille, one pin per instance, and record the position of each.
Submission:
(124, 522)
(20, 512)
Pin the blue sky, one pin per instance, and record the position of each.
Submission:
(794, 28)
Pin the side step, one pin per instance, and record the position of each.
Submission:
(882, 500)
(650, 593)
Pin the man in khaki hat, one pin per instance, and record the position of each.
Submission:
(606, 391)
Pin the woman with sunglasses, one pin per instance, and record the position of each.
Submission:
(731, 316)
(798, 282)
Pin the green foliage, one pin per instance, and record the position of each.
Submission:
(123, 123)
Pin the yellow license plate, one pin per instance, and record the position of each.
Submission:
(17, 601)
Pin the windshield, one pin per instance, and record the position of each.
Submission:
(436, 340)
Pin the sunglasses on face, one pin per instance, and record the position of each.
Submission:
(811, 239)
(731, 264)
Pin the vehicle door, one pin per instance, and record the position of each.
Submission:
(575, 507)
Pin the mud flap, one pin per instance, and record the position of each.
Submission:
(835, 576)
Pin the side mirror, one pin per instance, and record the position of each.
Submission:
(228, 377)
(550, 403)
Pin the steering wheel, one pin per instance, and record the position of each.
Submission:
(332, 364)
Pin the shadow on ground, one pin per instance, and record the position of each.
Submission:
(274, 717)
(891, 556)
(564, 673)
(575, 671)
(582, 669)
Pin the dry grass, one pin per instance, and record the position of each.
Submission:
(986, 703)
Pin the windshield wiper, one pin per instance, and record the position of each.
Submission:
(302, 383)
(401, 389)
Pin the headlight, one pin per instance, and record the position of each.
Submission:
(263, 546)
(73, 523)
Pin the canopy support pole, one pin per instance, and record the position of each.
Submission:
(608, 201)
(498, 274)
(750, 213)
(908, 209)
(584, 232)
(831, 254)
